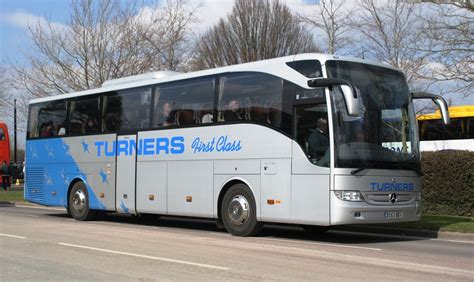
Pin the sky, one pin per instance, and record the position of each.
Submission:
(17, 15)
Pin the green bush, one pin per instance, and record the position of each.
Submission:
(448, 182)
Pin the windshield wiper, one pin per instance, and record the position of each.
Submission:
(357, 170)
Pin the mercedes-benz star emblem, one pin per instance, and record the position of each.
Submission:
(393, 198)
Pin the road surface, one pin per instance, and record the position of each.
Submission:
(39, 243)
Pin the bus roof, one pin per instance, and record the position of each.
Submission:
(454, 112)
(275, 67)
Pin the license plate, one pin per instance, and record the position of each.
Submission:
(393, 214)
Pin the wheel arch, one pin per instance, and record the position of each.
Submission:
(73, 182)
(229, 183)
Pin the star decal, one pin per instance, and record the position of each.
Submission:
(124, 207)
(48, 178)
(66, 148)
(103, 175)
(85, 146)
(34, 153)
(50, 151)
(64, 177)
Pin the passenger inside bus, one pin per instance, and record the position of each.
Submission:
(232, 114)
(47, 129)
(318, 142)
(185, 117)
(91, 126)
(206, 114)
(166, 117)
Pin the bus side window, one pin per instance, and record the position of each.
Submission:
(130, 109)
(51, 117)
(186, 103)
(112, 107)
(84, 116)
(251, 96)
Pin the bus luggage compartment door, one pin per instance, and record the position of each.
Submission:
(126, 174)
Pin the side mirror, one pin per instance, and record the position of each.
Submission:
(348, 91)
(442, 105)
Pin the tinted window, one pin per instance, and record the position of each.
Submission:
(185, 103)
(51, 119)
(311, 132)
(2, 135)
(84, 116)
(308, 68)
(127, 110)
(470, 128)
(33, 121)
(251, 96)
(437, 130)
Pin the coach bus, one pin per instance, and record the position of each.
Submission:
(302, 139)
(458, 135)
(4, 145)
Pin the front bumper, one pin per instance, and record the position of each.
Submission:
(345, 212)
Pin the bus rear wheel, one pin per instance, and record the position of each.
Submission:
(238, 211)
(79, 203)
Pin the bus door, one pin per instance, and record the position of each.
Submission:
(126, 174)
(310, 162)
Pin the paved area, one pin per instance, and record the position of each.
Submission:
(38, 243)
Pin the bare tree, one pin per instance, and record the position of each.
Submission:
(104, 40)
(4, 95)
(168, 32)
(254, 30)
(333, 20)
(448, 33)
(388, 34)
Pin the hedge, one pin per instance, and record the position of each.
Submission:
(448, 182)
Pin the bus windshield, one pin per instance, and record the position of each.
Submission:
(383, 135)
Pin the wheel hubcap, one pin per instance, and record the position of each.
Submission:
(78, 201)
(239, 210)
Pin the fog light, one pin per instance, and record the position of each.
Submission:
(352, 196)
(357, 214)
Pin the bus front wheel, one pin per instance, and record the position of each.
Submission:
(79, 202)
(238, 211)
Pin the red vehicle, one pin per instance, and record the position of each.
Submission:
(4, 145)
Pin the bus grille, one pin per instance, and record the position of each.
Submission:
(384, 198)
(35, 183)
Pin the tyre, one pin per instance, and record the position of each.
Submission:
(79, 203)
(314, 229)
(239, 213)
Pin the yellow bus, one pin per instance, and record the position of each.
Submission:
(435, 135)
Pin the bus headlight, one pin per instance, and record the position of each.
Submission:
(352, 196)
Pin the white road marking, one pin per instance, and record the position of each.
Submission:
(452, 241)
(145, 256)
(320, 244)
(24, 214)
(309, 243)
(41, 208)
(12, 236)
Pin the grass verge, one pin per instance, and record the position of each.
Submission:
(14, 196)
(439, 223)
